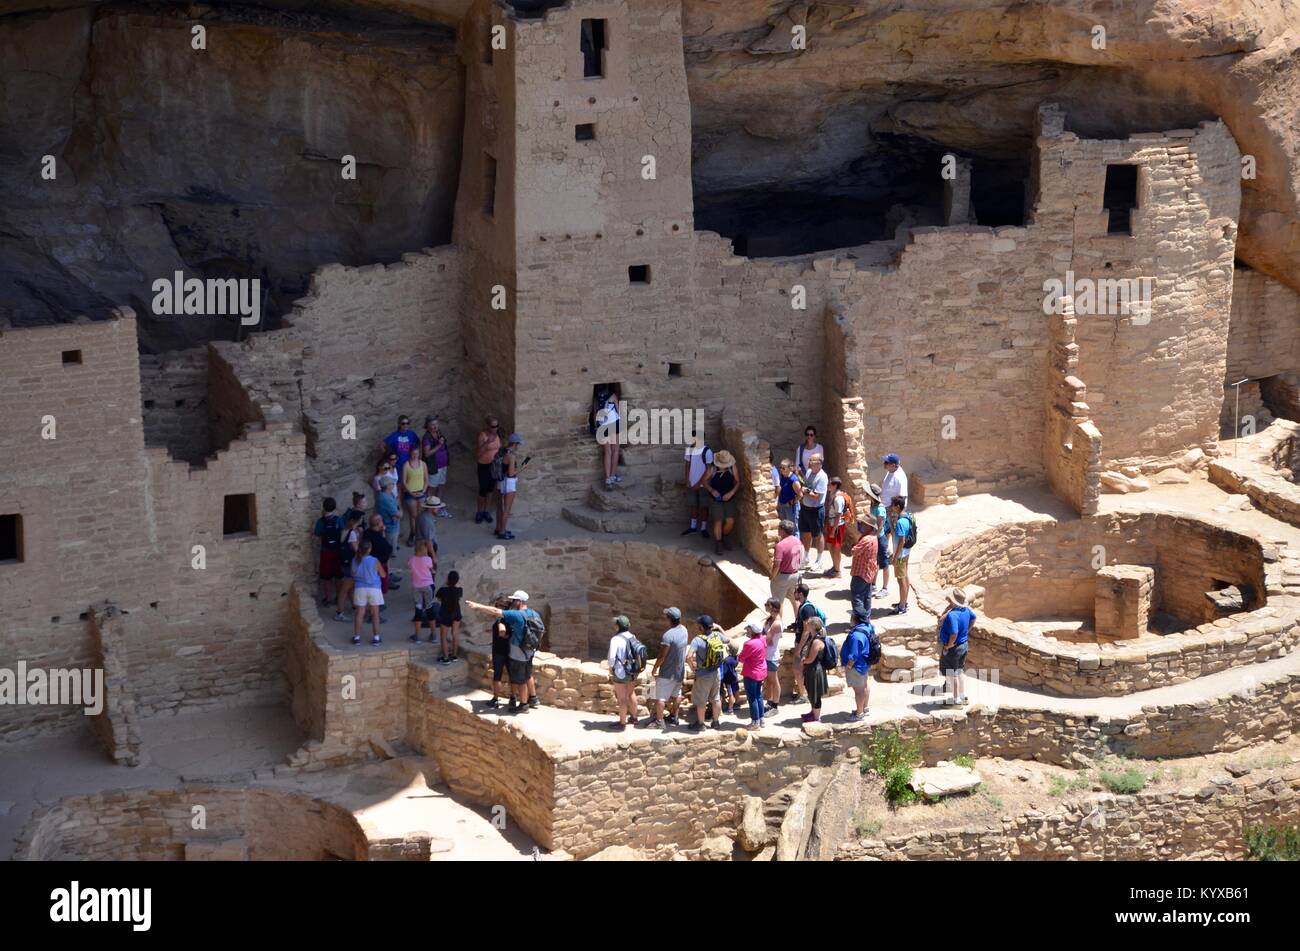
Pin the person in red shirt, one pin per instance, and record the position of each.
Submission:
(862, 571)
(753, 668)
(787, 555)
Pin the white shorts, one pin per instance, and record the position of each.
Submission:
(666, 689)
(364, 596)
(437, 479)
(507, 485)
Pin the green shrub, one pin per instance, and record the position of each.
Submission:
(1126, 782)
(1060, 785)
(893, 758)
(965, 760)
(1279, 844)
(868, 828)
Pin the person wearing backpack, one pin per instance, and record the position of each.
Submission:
(861, 649)
(705, 656)
(524, 625)
(627, 658)
(670, 670)
(902, 535)
(329, 529)
(805, 613)
(814, 664)
(839, 512)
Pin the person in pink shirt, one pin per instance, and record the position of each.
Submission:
(421, 566)
(753, 668)
(787, 556)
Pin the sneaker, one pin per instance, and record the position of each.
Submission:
(376, 641)
(494, 704)
(356, 638)
(414, 638)
(608, 482)
(478, 517)
(901, 609)
(961, 701)
(533, 702)
(772, 707)
(670, 719)
(807, 717)
(514, 705)
(616, 478)
(617, 727)
(524, 708)
(717, 725)
(697, 726)
(855, 717)
(487, 517)
(653, 724)
(506, 535)
(797, 700)
(830, 573)
(687, 531)
(340, 616)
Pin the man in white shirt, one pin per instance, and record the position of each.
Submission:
(894, 484)
(812, 512)
(698, 459)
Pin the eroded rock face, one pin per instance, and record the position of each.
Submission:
(228, 159)
(217, 162)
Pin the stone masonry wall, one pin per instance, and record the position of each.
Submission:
(1149, 826)
(174, 390)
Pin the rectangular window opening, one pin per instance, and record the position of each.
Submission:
(489, 185)
(584, 132)
(11, 539)
(71, 358)
(593, 45)
(674, 369)
(1120, 198)
(239, 515)
(638, 273)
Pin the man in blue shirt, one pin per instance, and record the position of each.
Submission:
(954, 634)
(520, 661)
(900, 526)
(854, 658)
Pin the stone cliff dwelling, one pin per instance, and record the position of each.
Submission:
(558, 198)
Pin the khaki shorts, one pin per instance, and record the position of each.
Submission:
(783, 585)
(666, 689)
(900, 565)
(706, 688)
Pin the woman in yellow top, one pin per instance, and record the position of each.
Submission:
(415, 484)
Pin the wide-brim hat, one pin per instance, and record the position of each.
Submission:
(957, 597)
(723, 459)
(432, 502)
(873, 492)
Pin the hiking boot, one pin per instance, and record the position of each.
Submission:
(533, 702)
(514, 705)
(494, 704)
(717, 725)
(697, 726)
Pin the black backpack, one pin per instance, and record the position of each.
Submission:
(331, 537)
(910, 541)
(830, 658)
(873, 643)
(498, 466)
(534, 631)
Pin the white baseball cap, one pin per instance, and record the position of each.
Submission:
(519, 595)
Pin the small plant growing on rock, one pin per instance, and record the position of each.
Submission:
(1061, 786)
(965, 761)
(868, 828)
(893, 758)
(1124, 782)
(1279, 844)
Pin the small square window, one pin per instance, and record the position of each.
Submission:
(638, 273)
(11, 538)
(239, 515)
(71, 358)
(674, 369)
(584, 132)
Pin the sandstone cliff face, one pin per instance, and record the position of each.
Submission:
(224, 161)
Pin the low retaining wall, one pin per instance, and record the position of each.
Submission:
(1142, 827)
(1049, 557)
(1267, 471)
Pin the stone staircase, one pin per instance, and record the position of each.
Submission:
(616, 509)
